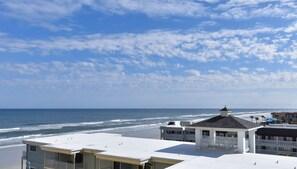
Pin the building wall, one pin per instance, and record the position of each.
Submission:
(35, 159)
(89, 161)
(104, 164)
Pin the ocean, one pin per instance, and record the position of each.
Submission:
(18, 124)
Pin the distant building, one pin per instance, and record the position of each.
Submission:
(286, 117)
(278, 139)
(222, 132)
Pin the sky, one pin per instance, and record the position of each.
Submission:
(148, 54)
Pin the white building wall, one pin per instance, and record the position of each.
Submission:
(104, 164)
(241, 141)
(35, 159)
(89, 161)
(198, 137)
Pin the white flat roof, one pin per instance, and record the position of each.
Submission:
(139, 150)
(239, 161)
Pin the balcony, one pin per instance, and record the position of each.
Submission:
(276, 152)
(228, 143)
(54, 164)
(278, 143)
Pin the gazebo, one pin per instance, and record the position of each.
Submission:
(226, 132)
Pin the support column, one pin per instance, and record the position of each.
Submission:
(198, 138)
(74, 161)
(212, 136)
(22, 163)
(241, 141)
(252, 141)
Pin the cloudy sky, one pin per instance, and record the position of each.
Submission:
(148, 54)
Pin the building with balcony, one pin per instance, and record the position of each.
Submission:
(226, 132)
(278, 139)
(285, 117)
(178, 131)
(112, 151)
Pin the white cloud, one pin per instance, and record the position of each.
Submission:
(153, 7)
(190, 45)
(193, 72)
(244, 69)
(261, 69)
(104, 76)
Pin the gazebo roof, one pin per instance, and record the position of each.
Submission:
(224, 109)
(226, 122)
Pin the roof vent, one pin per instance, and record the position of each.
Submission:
(224, 112)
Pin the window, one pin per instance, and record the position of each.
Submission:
(205, 132)
(33, 148)
(116, 165)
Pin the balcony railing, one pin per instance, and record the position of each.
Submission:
(223, 142)
(173, 136)
(278, 143)
(276, 152)
(54, 164)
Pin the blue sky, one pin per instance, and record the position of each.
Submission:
(148, 54)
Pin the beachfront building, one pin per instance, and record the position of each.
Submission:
(219, 133)
(278, 139)
(226, 132)
(112, 151)
(178, 131)
(285, 117)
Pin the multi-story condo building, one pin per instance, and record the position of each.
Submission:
(278, 139)
(223, 141)
(285, 117)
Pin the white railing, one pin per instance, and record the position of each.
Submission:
(220, 141)
(54, 164)
(263, 151)
(276, 152)
(173, 136)
(189, 137)
(281, 143)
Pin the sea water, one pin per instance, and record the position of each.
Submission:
(18, 124)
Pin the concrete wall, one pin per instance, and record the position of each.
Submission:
(35, 159)
(104, 164)
(89, 161)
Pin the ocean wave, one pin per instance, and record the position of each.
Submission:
(5, 130)
(79, 124)
(18, 139)
(4, 142)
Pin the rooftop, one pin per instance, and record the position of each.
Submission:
(138, 150)
(282, 130)
(226, 122)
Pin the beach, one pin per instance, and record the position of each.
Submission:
(11, 155)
